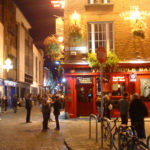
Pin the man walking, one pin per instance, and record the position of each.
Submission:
(28, 107)
(124, 108)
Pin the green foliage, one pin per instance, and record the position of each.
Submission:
(109, 66)
(75, 33)
(93, 61)
(111, 62)
(52, 47)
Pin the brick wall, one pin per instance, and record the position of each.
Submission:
(126, 46)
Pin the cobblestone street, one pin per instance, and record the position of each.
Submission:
(15, 134)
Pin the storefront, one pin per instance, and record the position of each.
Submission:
(83, 87)
(10, 91)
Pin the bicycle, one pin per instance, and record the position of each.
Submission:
(107, 131)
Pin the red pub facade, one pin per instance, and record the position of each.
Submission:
(103, 24)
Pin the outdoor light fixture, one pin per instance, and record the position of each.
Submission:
(75, 17)
(134, 14)
(60, 39)
(64, 80)
(8, 65)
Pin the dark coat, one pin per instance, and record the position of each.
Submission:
(137, 112)
(28, 103)
(57, 107)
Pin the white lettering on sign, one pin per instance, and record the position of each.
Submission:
(9, 83)
(118, 79)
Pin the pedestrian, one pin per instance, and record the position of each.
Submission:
(57, 106)
(98, 106)
(45, 112)
(28, 107)
(15, 101)
(137, 113)
(4, 103)
(124, 108)
(0, 107)
(107, 106)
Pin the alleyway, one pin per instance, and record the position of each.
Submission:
(15, 134)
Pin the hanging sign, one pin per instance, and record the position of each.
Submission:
(101, 54)
(57, 3)
(133, 77)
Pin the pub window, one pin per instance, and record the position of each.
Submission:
(118, 85)
(100, 34)
(98, 1)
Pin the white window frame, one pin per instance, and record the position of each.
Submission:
(93, 42)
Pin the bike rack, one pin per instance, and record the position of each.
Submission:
(107, 120)
(148, 142)
(95, 117)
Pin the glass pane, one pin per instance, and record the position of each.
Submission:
(96, 36)
(100, 36)
(89, 27)
(96, 45)
(96, 27)
(110, 27)
(118, 89)
(90, 36)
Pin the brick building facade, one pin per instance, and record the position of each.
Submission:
(103, 24)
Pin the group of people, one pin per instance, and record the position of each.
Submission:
(46, 102)
(136, 110)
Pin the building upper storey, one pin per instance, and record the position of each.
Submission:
(121, 26)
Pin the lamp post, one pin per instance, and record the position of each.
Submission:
(8, 65)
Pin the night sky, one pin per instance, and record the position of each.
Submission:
(40, 15)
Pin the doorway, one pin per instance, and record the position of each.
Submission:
(84, 99)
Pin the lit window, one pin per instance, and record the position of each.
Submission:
(98, 1)
(100, 34)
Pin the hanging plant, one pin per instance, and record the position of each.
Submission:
(75, 33)
(110, 64)
(139, 29)
(52, 47)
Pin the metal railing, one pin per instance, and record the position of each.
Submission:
(148, 142)
(95, 117)
(99, 1)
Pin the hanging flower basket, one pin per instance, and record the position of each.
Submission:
(75, 33)
(139, 29)
(139, 33)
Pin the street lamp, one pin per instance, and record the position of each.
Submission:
(8, 64)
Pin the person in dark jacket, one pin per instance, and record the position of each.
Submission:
(15, 100)
(57, 107)
(45, 112)
(28, 107)
(137, 113)
(124, 108)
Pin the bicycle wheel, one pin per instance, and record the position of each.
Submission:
(123, 142)
(106, 134)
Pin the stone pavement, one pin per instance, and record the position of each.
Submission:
(15, 134)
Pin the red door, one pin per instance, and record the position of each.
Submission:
(84, 99)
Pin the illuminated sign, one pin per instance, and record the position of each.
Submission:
(133, 77)
(9, 83)
(58, 3)
(118, 79)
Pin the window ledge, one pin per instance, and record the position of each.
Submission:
(99, 5)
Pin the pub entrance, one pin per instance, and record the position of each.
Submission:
(84, 90)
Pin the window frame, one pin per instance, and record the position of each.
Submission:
(107, 35)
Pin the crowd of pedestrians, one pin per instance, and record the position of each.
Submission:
(46, 102)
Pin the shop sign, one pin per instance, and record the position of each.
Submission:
(57, 3)
(133, 77)
(9, 83)
(118, 78)
(83, 80)
(1, 82)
